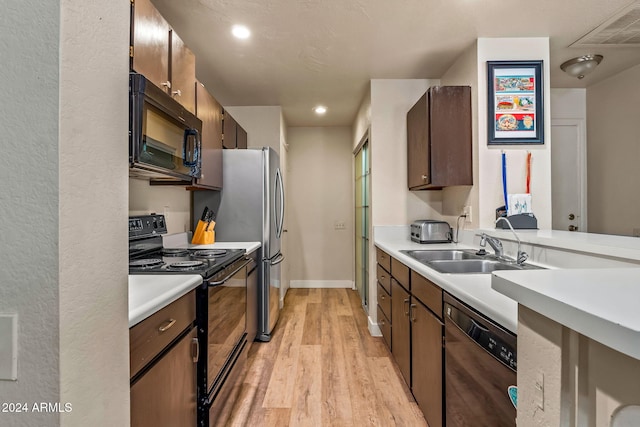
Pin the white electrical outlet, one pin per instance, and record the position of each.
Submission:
(636, 232)
(539, 391)
(9, 347)
(466, 210)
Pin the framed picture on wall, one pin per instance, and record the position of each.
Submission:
(515, 110)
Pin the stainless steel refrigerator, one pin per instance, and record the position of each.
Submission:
(252, 209)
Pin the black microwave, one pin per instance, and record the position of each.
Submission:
(164, 138)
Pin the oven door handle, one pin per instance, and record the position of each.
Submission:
(229, 276)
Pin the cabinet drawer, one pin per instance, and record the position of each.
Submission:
(149, 337)
(400, 272)
(384, 279)
(427, 292)
(383, 259)
(384, 301)
(385, 327)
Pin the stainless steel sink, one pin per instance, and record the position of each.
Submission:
(472, 266)
(464, 261)
(442, 254)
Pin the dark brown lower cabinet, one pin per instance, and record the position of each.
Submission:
(427, 357)
(401, 330)
(165, 396)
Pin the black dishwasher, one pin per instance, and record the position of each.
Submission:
(480, 368)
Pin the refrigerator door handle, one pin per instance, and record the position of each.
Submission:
(280, 222)
(277, 259)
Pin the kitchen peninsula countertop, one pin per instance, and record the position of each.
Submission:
(601, 304)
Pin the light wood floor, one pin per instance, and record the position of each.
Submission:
(323, 368)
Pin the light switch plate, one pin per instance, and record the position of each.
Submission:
(9, 347)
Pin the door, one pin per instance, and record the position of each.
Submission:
(275, 202)
(150, 41)
(427, 357)
(166, 395)
(183, 73)
(210, 112)
(229, 131)
(362, 171)
(400, 329)
(568, 175)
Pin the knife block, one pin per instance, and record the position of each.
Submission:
(204, 236)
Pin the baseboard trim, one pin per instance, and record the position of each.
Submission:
(314, 284)
(374, 329)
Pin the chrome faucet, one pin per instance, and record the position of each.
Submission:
(521, 256)
(493, 242)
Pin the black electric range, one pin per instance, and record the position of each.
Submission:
(148, 256)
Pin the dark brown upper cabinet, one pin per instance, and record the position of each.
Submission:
(229, 129)
(234, 136)
(210, 112)
(159, 54)
(439, 150)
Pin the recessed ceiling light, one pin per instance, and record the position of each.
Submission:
(320, 109)
(240, 32)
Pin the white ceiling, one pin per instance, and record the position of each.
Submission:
(307, 52)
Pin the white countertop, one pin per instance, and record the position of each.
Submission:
(247, 246)
(473, 289)
(149, 293)
(601, 304)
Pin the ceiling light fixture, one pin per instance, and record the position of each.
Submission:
(581, 66)
(320, 109)
(240, 32)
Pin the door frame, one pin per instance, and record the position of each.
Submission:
(581, 128)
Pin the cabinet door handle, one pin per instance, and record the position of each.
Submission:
(195, 349)
(382, 297)
(406, 304)
(425, 177)
(166, 84)
(176, 93)
(167, 326)
(411, 312)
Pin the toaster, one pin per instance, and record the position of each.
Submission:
(430, 231)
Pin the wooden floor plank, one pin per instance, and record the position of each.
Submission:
(336, 402)
(314, 296)
(283, 377)
(390, 392)
(312, 334)
(307, 405)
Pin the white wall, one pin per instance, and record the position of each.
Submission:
(392, 202)
(319, 194)
(489, 158)
(464, 72)
(568, 103)
(585, 382)
(64, 205)
(261, 123)
(172, 201)
(93, 180)
(613, 154)
(29, 202)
